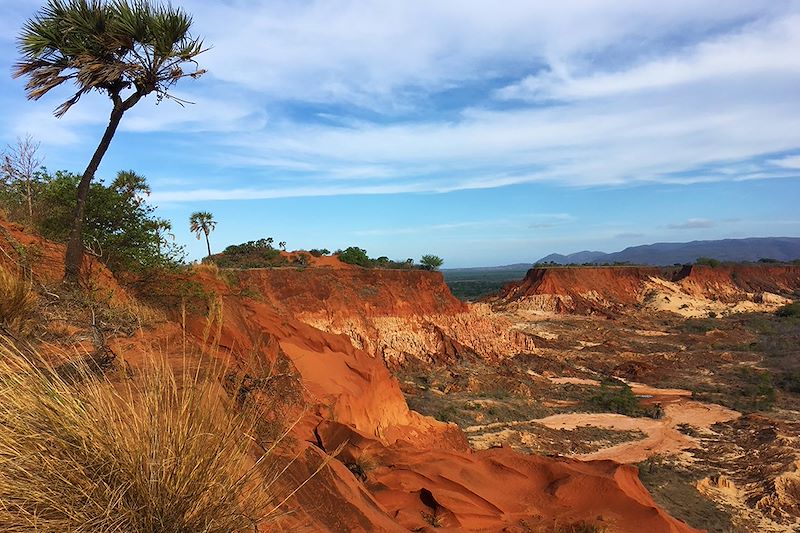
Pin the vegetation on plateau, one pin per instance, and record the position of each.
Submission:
(120, 228)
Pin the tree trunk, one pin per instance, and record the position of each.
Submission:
(74, 257)
(208, 244)
(30, 200)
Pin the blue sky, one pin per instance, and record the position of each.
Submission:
(485, 133)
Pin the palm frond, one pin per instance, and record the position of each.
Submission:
(108, 46)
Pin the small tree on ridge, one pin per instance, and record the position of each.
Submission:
(431, 262)
(202, 223)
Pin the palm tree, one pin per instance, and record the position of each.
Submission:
(202, 223)
(121, 49)
(163, 230)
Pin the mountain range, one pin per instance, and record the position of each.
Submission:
(668, 253)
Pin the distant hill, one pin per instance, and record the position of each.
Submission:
(668, 253)
(578, 257)
(515, 266)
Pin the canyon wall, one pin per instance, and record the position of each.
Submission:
(396, 315)
(421, 472)
(344, 408)
(692, 290)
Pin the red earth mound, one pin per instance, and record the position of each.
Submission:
(21, 249)
(726, 282)
(421, 474)
(585, 290)
(608, 290)
(396, 315)
(372, 292)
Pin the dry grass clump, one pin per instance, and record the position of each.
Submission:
(157, 452)
(209, 266)
(17, 299)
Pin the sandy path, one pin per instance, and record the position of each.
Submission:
(662, 435)
(639, 389)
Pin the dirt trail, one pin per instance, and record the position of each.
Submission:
(639, 389)
(663, 436)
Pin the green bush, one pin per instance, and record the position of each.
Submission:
(757, 392)
(251, 254)
(708, 261)
(355, 256)
(431, 262)
(790, 381)
(791, 310)
(616, 397)
(120, 227)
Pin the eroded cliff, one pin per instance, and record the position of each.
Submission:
(694, 290)
(343, 407)
(393, 314)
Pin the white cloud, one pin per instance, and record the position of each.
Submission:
(792, 162)
(675, 92)
(693, 223)
(371, 52)
(752, 52)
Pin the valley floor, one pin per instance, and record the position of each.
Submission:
(715, 431)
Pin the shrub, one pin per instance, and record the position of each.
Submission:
(756, 390)
(355, 256)
(119, 227)
(302, 259)
(789, 310)
(17, 300)
(790, 381)
(431, 262)
(251, 254)
(362, 465)
(616, 397)
(81, 454)
(708, 261)
(316, 252)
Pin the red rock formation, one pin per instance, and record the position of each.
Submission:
(423, 471)
(393, 314)
(610, 290)
(728, 282)
(424, 474)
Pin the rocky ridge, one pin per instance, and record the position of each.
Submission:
(342, 399)
(694, 290)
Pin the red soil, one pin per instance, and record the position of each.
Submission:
(617, 286)
(424, 474)
(424, 467)
(371, 292)
(20, 248)
(724, 282)
(590, 290)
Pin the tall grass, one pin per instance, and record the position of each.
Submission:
(17, 300)
(156, 452)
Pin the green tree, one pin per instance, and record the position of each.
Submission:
(431, 262)
(708, 261)
(126, 50)
(202, 223)
(120, 227)
(354, 255)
